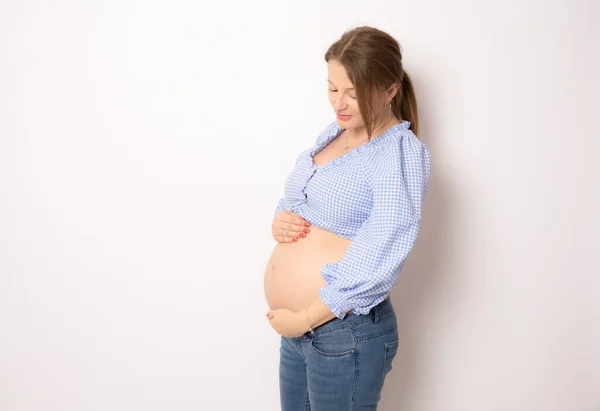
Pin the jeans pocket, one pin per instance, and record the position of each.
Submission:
(391, 349)
(339, 343)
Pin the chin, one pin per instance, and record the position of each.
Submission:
(345, 123)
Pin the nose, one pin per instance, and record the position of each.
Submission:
(340, 105)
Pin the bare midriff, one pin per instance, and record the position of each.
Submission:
(293, 273)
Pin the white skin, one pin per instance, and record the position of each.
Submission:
(288, 227)
(343, 100)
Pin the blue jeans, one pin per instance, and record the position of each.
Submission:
(342, 366)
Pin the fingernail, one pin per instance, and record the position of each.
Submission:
(306, 223)
(294, 239)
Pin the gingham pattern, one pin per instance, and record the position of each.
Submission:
(372, 195)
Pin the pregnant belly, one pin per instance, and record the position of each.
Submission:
(293, 273)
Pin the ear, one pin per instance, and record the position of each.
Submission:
(392, 91)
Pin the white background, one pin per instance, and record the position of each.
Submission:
(143, 148)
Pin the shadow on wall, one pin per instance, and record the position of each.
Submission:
(418, 285)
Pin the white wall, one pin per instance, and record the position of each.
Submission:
(143, 146)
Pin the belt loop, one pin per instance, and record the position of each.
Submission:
(375, 314)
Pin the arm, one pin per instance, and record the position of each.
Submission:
(294, 324)
(370, 267)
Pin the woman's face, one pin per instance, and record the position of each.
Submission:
(342, 96)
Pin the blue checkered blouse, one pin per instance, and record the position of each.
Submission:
(371, 195)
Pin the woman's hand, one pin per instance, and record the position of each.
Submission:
(288, 323)
(287, 227)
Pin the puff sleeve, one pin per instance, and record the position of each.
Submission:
(398, 177)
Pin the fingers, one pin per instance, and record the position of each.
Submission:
(285, 236)
(294, 230)
(289, 219)
(297, 227)
(288, 227)
(290, 236)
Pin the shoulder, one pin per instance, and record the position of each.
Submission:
(400, 149)
(332, 129)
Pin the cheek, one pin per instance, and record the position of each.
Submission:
(353, 107)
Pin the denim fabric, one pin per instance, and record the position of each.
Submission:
(342, 366)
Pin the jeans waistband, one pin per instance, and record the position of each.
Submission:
(374, 314)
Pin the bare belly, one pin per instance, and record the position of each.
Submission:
(293, 273)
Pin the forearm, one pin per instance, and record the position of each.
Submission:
(318, 313)
(291, 324)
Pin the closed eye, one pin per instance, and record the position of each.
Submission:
(335, 91)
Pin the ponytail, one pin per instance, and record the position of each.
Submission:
(405, 104)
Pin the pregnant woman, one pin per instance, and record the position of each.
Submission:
(348, 219)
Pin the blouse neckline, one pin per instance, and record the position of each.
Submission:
(337, 130)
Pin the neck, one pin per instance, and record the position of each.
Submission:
(360, 133)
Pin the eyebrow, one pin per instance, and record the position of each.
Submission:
(351, 88)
